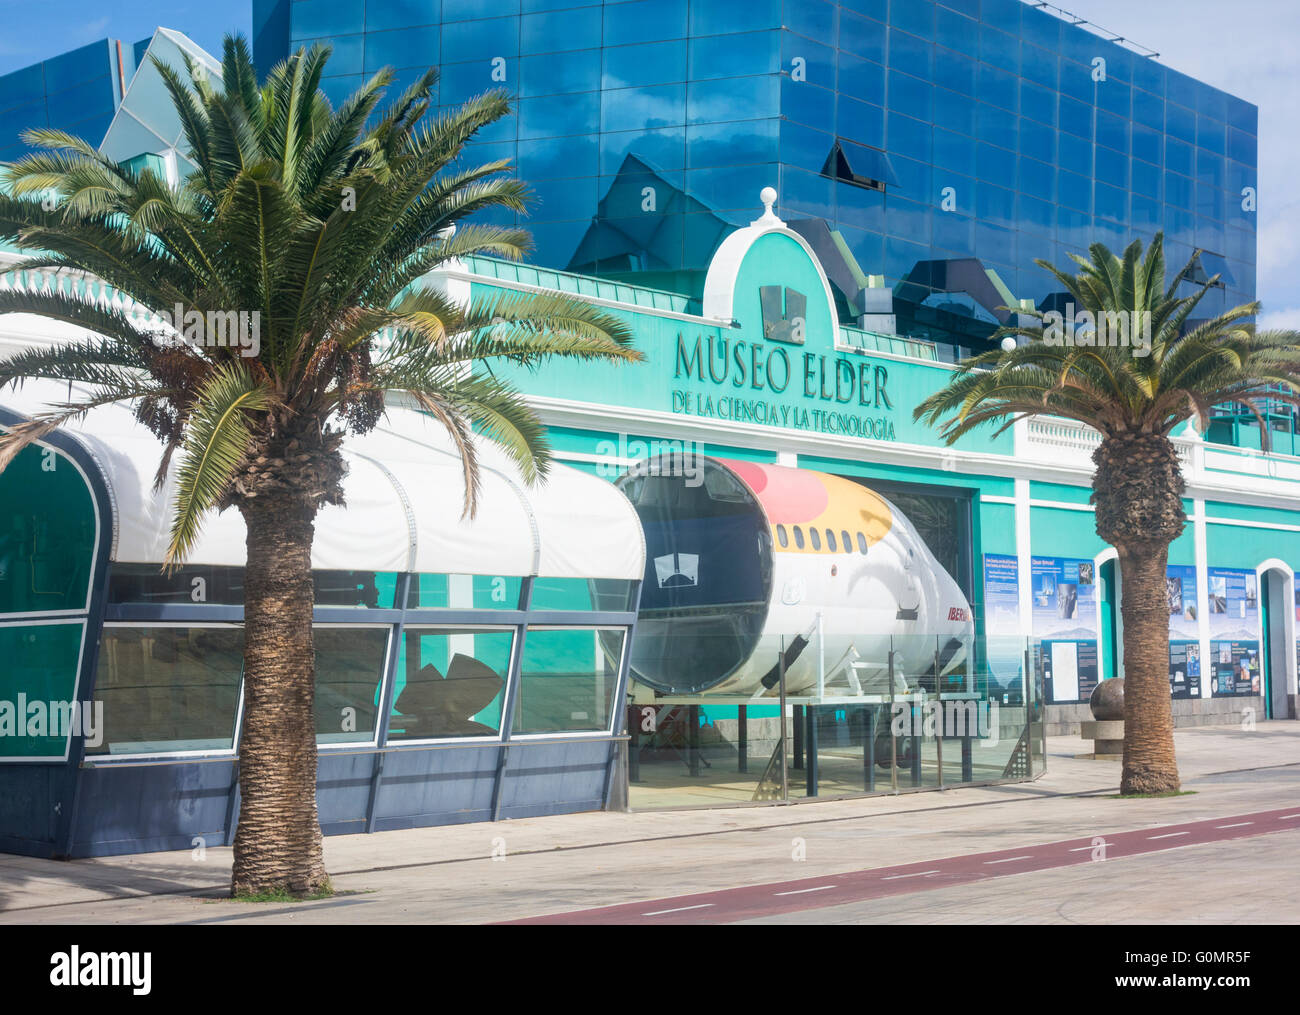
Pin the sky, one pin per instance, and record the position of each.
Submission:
(1246, 48)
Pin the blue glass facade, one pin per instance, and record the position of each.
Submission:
(984, 129)
(77, 91)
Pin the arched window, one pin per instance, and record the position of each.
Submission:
(830, 541)
(862, 544)
(781, 537)
(846, 542)
(798, 537)
(816, 538)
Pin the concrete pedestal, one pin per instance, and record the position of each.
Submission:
(1107, 736)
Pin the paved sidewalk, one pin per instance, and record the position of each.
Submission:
(568, 862)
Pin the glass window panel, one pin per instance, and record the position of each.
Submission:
(1112, 131)
(348, 55)
(858, 121)
(1111, 167)
(609, 595)
(731, 56)
(719, 17)
(480, 40)
(545, 75)
(664, 148)
(812, 18)
(654, 106)
(952, 70)
(859, 77)
(908, 53)
(339, 89)
(909, 95)
(554, 157)
(807, 104)
(349, 670)
(464, 592)
(402, 13)
(556, 31)
(1037, 140)
(954, 232)
(168, 689)
(651, 63)
(995, 126)
(1146, 143)
(40, 662)
(567, 679)
(47, 534)
(862, 36)
(644, 21)
(710, 101)
(449, 683)
(1113, 95)
(738, 143)
(1111, 202)
(409, 47)
(955, 112)
(956, 32)
(1075, 117)
(461, 10)
(311, 18)
(559, 115)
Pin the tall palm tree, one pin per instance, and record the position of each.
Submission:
(322, 221)
(1134, 394)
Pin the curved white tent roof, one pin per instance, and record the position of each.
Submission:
(404, 493)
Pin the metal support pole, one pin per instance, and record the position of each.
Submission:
(798, 737)
(742, 739)
(869, 749)
(785, 773)
(810, 748)
(634, 743)
(939, 727)
(893, 740)
(1031, 684)
(693, 739)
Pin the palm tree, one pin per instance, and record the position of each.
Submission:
(321, 221)
(1134, 394)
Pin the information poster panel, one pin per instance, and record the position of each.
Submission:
(1064, 596)
(1005, 645)
(1234, 632)
(1184, 633)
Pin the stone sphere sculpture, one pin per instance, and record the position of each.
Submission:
(1107, 701)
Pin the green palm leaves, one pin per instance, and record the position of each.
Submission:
(319, 223)
(1171, 368)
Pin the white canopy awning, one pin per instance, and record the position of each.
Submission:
(404, 491)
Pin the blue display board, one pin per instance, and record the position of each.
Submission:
(1063, 592)
(1234, 632)
(1184, 633)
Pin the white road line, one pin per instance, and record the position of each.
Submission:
(1239, 824)
(918, 874)
(1080, 849)
(1167, 835)
(680, 909)
(801, 891)
(1288, 817)
(1027, 856)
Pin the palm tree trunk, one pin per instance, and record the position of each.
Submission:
(1149, 762)
(1138, 490)
(278, 842)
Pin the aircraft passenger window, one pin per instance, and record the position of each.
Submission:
(798, 537)
(816, 538)
(846, 542)
(862, 544)
(830, 541)
(781, 537)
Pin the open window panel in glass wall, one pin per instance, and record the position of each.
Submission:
(169, 689)
(567, 680)
(604, 595)
(464, 592)
(349, 682)
(450, 683)
(199, 584)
